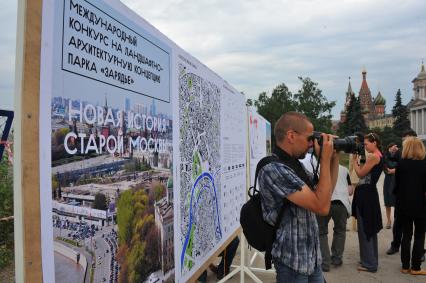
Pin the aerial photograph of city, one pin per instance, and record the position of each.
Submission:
(112, 191)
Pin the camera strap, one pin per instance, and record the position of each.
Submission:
(315, 170)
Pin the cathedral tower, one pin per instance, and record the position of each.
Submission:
(366, 101)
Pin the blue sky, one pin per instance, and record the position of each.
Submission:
(257, 44)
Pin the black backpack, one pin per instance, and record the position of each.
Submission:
(259, 234)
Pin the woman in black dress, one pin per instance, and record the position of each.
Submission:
(410, 191)
(366, 205)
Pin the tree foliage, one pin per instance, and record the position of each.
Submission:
(125, 214)
(6, 210)
(387, 136)
(100, 202)
(400, 112)
(138, 236)
(157, 192)
(356, 121)
(309, 100)
(58, 149)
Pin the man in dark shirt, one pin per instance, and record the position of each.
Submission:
(296, 249)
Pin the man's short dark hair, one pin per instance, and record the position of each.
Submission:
(290, 121)
(409, 133)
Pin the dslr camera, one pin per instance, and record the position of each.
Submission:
(350, 144)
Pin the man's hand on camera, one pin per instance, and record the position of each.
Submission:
(336, 155)
(327, 146)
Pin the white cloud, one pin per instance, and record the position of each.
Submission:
(258, 44)
(255, 45)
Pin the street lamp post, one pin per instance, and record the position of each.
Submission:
(60, 227)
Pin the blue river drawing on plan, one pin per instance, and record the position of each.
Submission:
(208, 175)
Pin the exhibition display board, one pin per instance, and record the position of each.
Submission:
(141, 149)
(211, 163)
(259, 139)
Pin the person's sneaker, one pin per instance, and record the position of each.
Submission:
(336, 262)
(418, 272)
(362, 268)
(392, 251)
(405, 271)
(325, 268)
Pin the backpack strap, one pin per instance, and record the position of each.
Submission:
(263, 162)
(253, 190)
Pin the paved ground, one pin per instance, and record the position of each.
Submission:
(389, 266)
(388, 272)
(67, 271)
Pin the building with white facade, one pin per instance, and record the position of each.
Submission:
(417, 105)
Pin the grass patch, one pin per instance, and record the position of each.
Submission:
(344, 159)
(69, 241)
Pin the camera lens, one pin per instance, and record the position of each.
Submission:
(349, 144)
(346, 144)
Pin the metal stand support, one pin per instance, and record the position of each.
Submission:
(243, 269)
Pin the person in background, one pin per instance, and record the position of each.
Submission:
(227, 256)
(365, 204)
(410, 191)
(396, 229)
(339, 212)
(310, 162)
(391, 160)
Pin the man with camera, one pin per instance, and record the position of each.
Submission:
(296, 249)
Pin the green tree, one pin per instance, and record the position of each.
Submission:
(355, 120)
(400, 112)
(311, 102)
(139, 247)
(6, 210)
(344, 129)
(100, 202)
(280, 101)
(388, 136)
(157, 192)
(125, 214)
(6, 188)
